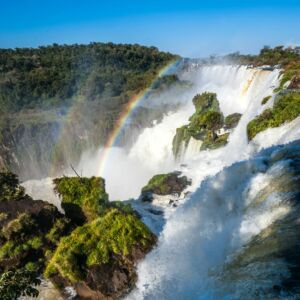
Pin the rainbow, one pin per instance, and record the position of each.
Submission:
(126, 113)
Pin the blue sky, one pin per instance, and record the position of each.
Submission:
(189, 28)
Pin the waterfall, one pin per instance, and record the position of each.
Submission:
(233, 197)
(199, 244)
(212, 224)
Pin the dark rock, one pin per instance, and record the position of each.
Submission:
(165, 184)
(146, 197)
(155, 212)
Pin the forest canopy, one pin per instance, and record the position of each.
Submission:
(50, 76)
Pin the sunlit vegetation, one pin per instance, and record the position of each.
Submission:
(204, 125)
(98, 242)
(50, 76)
(82, 195)
(265, 100)
(286, 108)
(29, 229)
(37, 237)
(285, 58)
(166, 184)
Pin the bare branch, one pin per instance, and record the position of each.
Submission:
(75, 171)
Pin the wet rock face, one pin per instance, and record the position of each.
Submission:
(165, 184)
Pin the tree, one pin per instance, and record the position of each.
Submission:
(17, 283)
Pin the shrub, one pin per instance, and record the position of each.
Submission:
(95, 243)
(80, 193)
(206, 101)
(17, 283)
(286, 108)
(9, 187)
(265, 100)
(232, 120)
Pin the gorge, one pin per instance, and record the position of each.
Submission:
(222, 221)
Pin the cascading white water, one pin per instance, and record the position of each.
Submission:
(239, 89)
(212, 222)
(221, 216)
(200, 234)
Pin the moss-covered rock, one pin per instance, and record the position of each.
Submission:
(25, 225)
(181, 138)
(213, 141)
(206, 101)
(97, 257)
(82, 198)
(232, 120)
(204, 125)
(286, 108)
(265, 100)
(100, 256)
(164, 184)
(208, 120)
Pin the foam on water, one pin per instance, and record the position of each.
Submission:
(222, 213)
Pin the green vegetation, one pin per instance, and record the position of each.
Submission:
(267, 56)
(60, 228)
(96, 243)
(13, 249)
(286, 108)
(35, 238)
(288, 60)
(81, 195)
(166, 81)
(207, 117)
(17, 283)
(50, 76)
(204, 125)
(25, 227)
(232, 120)
(265, 100)
(213, 141)
(44, 90)
(10, 188)
(159, 183)
(166, 184)
(19, 227)
(206, 102)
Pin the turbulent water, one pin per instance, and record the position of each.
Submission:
(205, 245)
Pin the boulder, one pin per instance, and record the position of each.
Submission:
(164, 184)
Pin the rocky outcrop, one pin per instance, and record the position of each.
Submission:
(165, 184)
(95, 253)
(207, 124)
(29, 228)
(285, 109)
(99, 257)
(231, 121)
